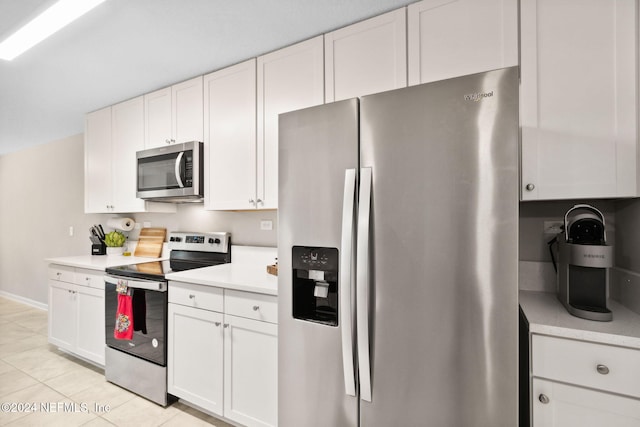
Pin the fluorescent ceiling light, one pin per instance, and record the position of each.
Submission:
(42, 26)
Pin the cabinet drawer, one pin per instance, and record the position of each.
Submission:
(91, 278)
(198, 296)
(62, 273)
(598, 366)
(252, 306)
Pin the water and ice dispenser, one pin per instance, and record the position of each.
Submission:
(315, 284)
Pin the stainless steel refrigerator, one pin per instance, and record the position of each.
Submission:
(398, 255)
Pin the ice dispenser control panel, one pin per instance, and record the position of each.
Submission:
(315, 284)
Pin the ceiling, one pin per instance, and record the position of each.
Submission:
(124, 48)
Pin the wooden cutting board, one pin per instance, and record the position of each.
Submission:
(150, 242)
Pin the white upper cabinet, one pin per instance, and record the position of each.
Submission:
(366, 57)
(97, 161)
(127, 124)
(230, 137)
(187, 111)
(578, 99)
(174, 114)
(451, 38)
(112, 137)
(288, 79)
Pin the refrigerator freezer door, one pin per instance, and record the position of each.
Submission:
(316, 146)
(444, 253)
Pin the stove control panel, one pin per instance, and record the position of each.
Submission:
(203, 242)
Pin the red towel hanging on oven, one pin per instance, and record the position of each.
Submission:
(124, 318)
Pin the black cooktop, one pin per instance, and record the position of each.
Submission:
(154, 270)
(178, 261)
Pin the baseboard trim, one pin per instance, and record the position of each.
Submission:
(23, 300)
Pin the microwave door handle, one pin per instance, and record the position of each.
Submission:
(177, 169)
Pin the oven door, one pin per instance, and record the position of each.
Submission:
(149, 309)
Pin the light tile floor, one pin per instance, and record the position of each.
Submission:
(68, 391)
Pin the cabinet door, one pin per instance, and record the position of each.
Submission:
(157, 118)
(571, 406)
(195, 356)
(97, 162)
(451, 38)
(578, 99)
(62, 315)
(90, 320)
(128, 137)
(251, 371)
(230, 129)
(288, 79)
(187, 116)
(367, 57)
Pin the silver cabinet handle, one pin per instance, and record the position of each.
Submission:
(216, 323)
(226, 325)
(168, 141)
(252, 202)
(191, 296)
(543, 398)
(602, 369)
(58, 274)
(258, 201)
(530, 187)
(256, 307)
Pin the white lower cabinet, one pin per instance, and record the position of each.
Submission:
(195, 356)
(250, 371)
(583, 384)
(224, 361)
(76, 312)
(565, 405)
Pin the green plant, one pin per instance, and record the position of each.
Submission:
(114, 239)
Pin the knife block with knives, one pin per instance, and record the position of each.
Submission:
(98, 247)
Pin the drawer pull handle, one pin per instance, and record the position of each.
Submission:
(191, 296)
(256, 307)
(226, 325)
(543, 398)
(602, 369)
(217, 323)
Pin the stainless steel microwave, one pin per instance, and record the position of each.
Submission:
(171, 174)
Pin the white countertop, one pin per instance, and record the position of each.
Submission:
(246, 272)
(99, 262)
(547, 316)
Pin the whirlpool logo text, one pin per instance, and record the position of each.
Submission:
(478, 96)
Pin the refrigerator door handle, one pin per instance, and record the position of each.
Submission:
(362, 284)
(347, 281)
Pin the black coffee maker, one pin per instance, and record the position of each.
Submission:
(584, 260)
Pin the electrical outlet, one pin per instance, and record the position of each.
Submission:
(266, 224)
(553, 227)
(71, 231)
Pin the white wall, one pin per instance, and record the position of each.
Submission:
(42, 194)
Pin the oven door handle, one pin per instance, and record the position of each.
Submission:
(149, 285)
